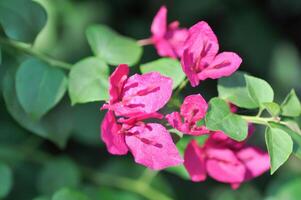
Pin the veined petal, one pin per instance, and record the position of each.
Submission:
(152, 146)
(256, 161)
(146, 93)
(117, 81)
(222, 165)
(187, 63)
(111, 135)
(159, 24)
(224, 64)
(194, 108)
(194, 161)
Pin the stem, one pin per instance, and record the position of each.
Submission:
(181, 86)
(30, 51)
(145, 42)
(259, 120)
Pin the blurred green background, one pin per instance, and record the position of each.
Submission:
(267, 35)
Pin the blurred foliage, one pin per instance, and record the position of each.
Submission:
(265, 33)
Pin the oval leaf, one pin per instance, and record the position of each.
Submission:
(167, 67)
(280, 147)
(22, 19)
(219, 117)
(291, 105)
(55, 126)
(39, 87)
(88, 81)
(234, 89)
(259, 90)
(112, 47)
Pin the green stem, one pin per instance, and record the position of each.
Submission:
(31, 51)
(259, 120)
(181, 86)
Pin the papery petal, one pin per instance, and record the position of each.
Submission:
(174, 119)
(198, 130)
(256, 161)
(139, 117)
(223, 166)
(159, 24)
(117, 81)
(187, 63)
(111, 135)
(194, 108)
(164, 48)
(152, 146)
(202, 43)
(146, 93)
(224, 64)
(194, 161)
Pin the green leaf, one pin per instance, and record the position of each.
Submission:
(291, 106)
(272, 108)
(113, 47)
(22, 19)
(55, 126)
(88, 81)
(219, 117)
(69, 194)
(259, 90)
(58, 173)
(280, 146)
(234, 89)
(42, 198)
(39, 87)
(293, 130)
(167, 67)
(6, 180)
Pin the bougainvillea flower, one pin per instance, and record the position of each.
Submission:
(201, 60)
(150, 143)
(168, 39)
(145, 93)
(225, 160)
(193, 109)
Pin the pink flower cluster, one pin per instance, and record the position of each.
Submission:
(135, 101)
(197, 48)
(132, 100)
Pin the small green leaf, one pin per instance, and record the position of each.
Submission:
(219, 117)
(280, 147)
(39, 87)
(55, 126)
(272, 108)
(291, 106)
(259, 90)
(22, 19)
(167, 67)
(293, 130)
(6, 180)
(234, 89)
(88, 81)
(112, 47)
(69, 194)
(58, 173)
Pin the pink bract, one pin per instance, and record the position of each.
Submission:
(150, 143)
(193, 109)
(225, 160)
(168, 39)
(200, 58)
(129, 96)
